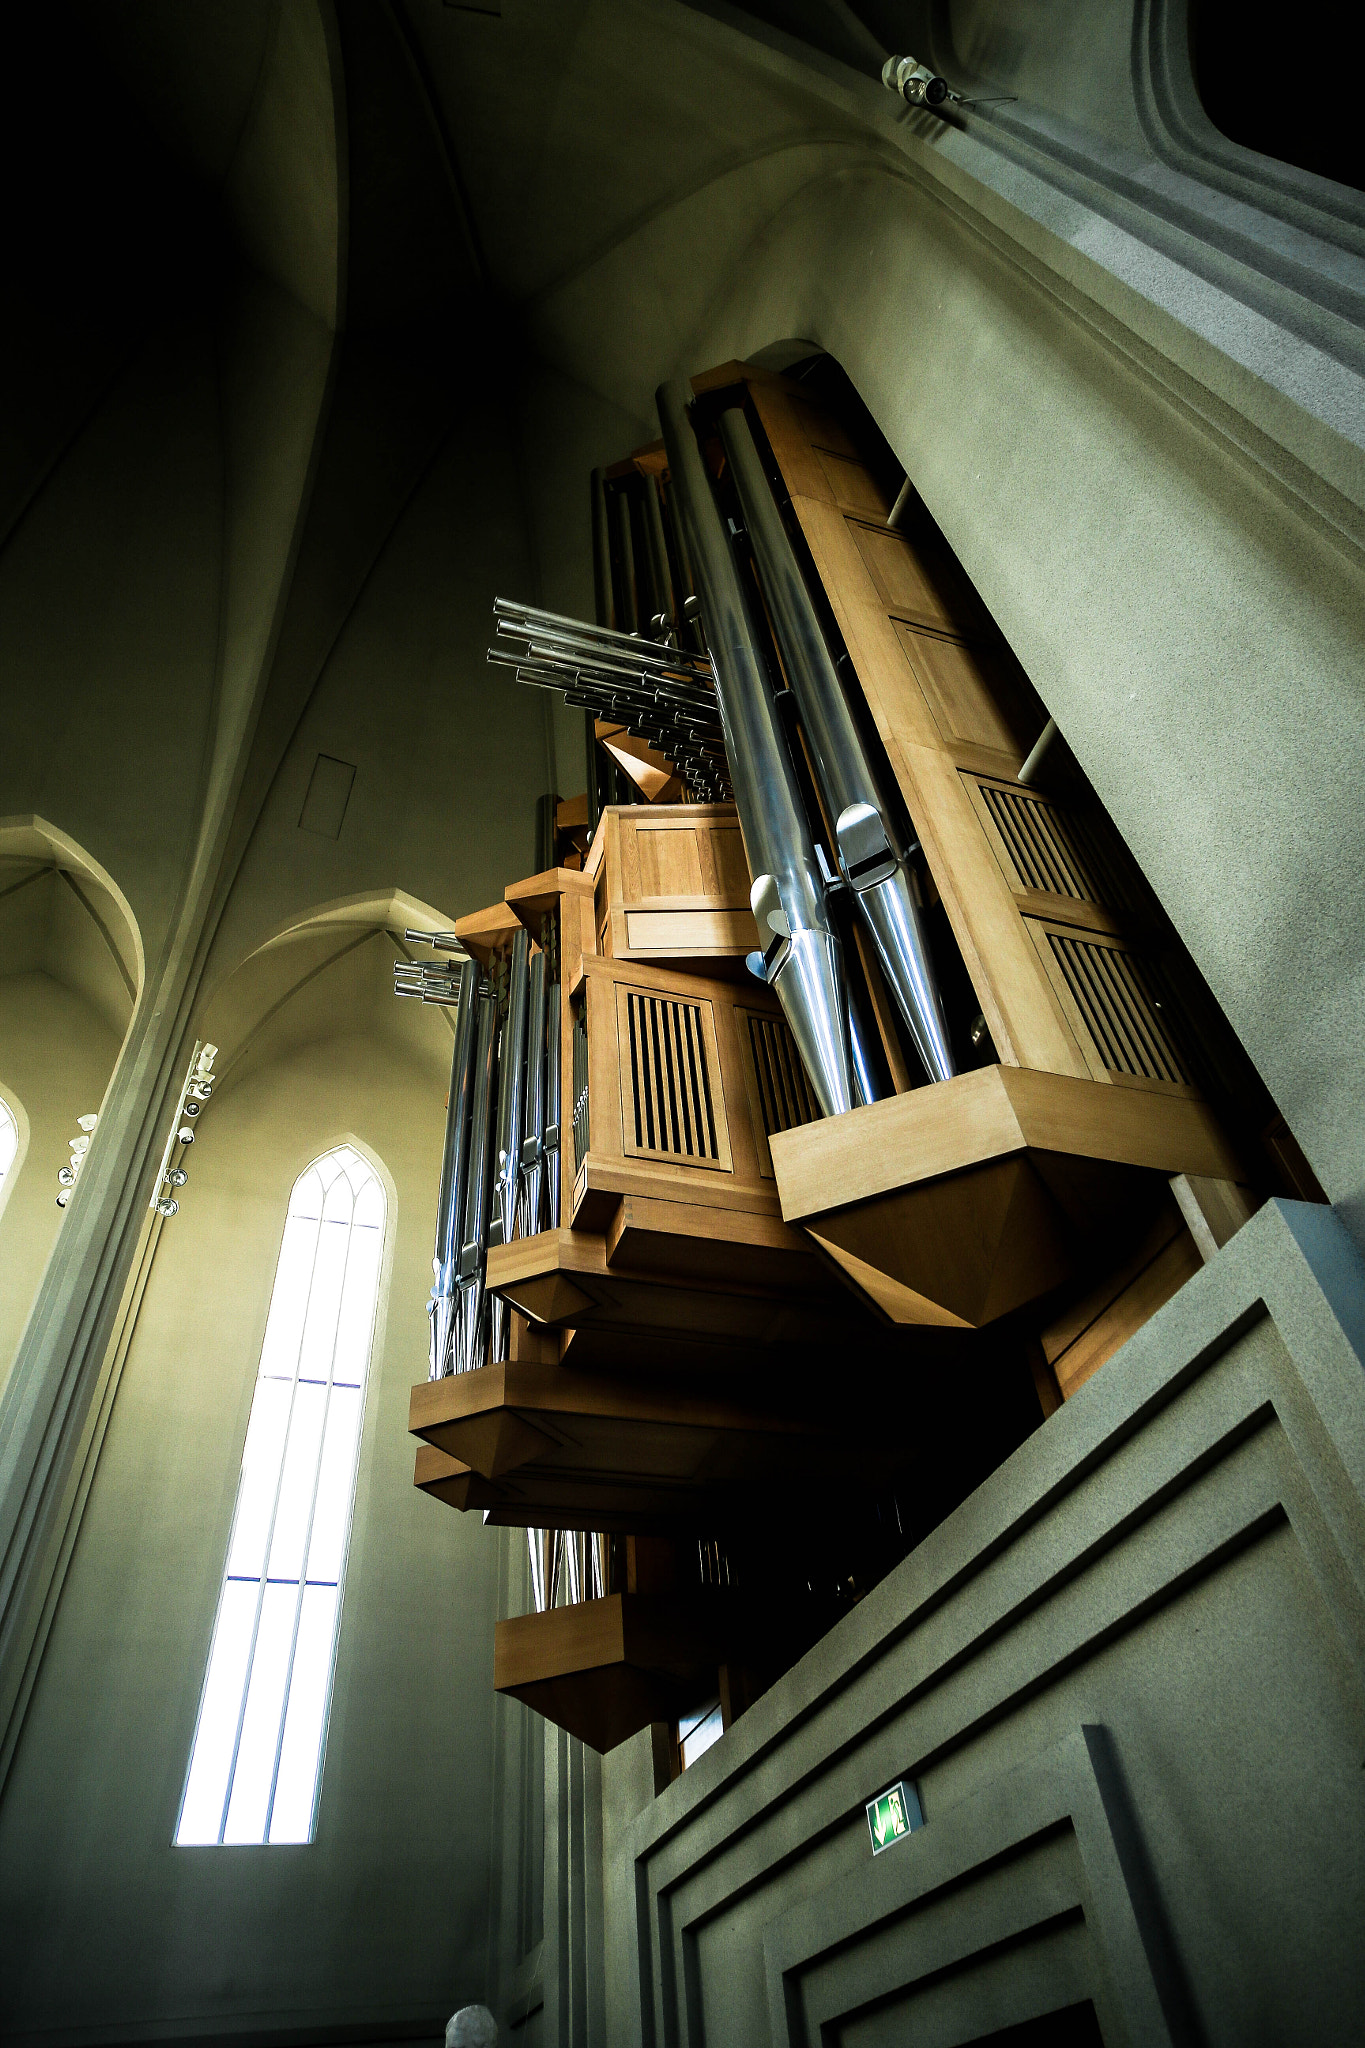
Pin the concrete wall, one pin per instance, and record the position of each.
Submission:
(1127, 1679)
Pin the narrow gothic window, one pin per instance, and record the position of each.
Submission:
(256, 1764)
(9, 1139)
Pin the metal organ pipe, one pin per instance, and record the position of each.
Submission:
(800, 947)
(552, 1095)
(872, 863)
(454, 1162)
(512, 1088)
(533, 1142)
(474, 1242)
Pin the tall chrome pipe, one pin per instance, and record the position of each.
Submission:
(800, 949)
(511, 1089)
(553, 1091)
(533, 1140)
(454, 1163)
(870, 860)
(478, 1187)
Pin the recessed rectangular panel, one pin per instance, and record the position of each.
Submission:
(329, 792)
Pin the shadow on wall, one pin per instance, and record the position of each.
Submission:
(71, 971)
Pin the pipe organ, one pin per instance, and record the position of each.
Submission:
(848, 1106)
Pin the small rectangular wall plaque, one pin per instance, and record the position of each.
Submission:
(893, 1815)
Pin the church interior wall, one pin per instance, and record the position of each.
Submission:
(384, 1916)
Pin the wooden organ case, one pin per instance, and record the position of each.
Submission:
(756, 1351)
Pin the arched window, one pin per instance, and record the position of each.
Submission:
(256, 1763)
(9, 1139)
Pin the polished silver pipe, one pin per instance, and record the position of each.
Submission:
(800, 949)
(512, 1086)
(513, 615)
(660, 575)
(553, 1091)
(445, 1261)
(870, 859)
(478, 1186)
(444, 942)
(533, 1139)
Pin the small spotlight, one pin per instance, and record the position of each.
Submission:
(915, 82)
(66, 1176)
(167, 1206)
(177, 1176)
(192, 1108)
(63, 1198)
(185, 1135)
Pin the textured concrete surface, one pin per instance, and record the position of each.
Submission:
(1127, 1679)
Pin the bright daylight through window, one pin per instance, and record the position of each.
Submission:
(9, 1139)
(257, 1758)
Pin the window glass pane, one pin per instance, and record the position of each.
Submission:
(320, 1327)
(357, 1306)
(202, 1813)
(260, 1477)
(340, 1201)
(261, 1722)
(336, 1484)
(296, 1487)
(289, 1302)
(298, 1471)
(293, 1810)
(306, 1199)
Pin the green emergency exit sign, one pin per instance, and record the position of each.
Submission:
(893, 1815)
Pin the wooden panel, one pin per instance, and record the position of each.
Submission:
(668, 862)
(820, 428)
(1123, 1014)
(784, 421)
(905, 581)
(963, 1250)
(854, 488)
(672, 1104)
(964, 688)
(733, 879)
(727, 1246)
(1026, 1021)
(604, 1669)
(690, 932)
(776, 1085)
(1048, 848)
(869, 572)
(985, 1115)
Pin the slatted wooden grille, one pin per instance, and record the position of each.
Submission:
(1126, 1007)
(671, 1083)
(1061, 852)
(784, 1093)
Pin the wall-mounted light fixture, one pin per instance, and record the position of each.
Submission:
(68, 1175)
(920, 86)
(195, 1092)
